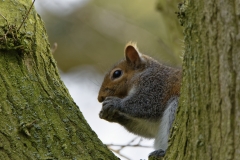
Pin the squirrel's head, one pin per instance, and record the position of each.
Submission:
(119, 80)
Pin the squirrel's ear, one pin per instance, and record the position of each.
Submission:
(132, 54)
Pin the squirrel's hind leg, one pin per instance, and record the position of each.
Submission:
(157, 154)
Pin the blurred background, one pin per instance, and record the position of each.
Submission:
(89, 36)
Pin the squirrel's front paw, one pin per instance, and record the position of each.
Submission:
(110, 110)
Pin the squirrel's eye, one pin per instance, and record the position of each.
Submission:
(116, 74)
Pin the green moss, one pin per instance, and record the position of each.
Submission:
(11, 39)
(39, 119)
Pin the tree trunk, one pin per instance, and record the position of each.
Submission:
(207, 125)
(39, 119)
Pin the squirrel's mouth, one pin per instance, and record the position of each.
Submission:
(101, 98)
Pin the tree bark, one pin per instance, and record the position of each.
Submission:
(39, 119)
(207, 125)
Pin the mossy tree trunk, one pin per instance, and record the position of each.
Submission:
(38, 118)
(207, 125)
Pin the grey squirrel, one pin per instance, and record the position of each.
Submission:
(142, 95)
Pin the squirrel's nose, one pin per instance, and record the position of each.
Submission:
(101, 98)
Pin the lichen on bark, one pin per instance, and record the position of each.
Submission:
(207, 121)
(39, 119)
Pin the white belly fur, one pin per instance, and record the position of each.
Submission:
(161, 140)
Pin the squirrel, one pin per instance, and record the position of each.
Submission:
(142, 95)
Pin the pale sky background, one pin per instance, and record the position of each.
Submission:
(83, 84)
(62, 7)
